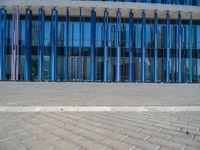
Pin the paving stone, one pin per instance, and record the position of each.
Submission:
(140, 143)
(150, 127)
(189, 131)
(185, 141)
(117, 125)
(165, 143)
(191, 148)
(185, 126)
(195, 124)
(92, 128)
(63, 145)
(101, 124)
(88, 123)
(135, 148)
(115, 144)
(11, 127)
(72, 127)
(44, 136)
(197, 138)
(107, 148)
(171, 127)
(22, 135)
(35, 121)
(91, 135)
(4, 135)
(43, 117)
(95, 127)
(134, 134)
(11, 145)
(50, 120)
(89, 144)
(83, 132)
(176, 133)
(164, 148)
(50, 128)
(36, 144)
(154, 133)
(66, 135)
(29, 126)
(114, 135)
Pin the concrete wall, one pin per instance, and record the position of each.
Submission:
(100, 6)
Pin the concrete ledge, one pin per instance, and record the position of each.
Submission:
(100, 6)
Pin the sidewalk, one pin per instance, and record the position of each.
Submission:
(154, 129)
(122, 130)
(98, 94)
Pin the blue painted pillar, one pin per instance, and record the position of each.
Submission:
(118, 46)
(167, 46)
(92, 45)
(130, 70)
(105, 62)
(80, 45)
(53, 60)
(15, 44)
(190, 46)
(155, 46)
(179, 47)
(67, 45)
(41, 19)
(190, 2)
(28, 46)
(143, 46)
(3, 43)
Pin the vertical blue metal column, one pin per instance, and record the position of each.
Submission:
(3, 16)
(15, 44)
(92, 45)
(167, 46)
(105, 62)
(80, 45)
(41, 19)
(118, 46)
(179, 47)
(54, 20)
(67, 45)
(155, 46)
(130, 70)
(143, 45)
(28, 46)
(190, 2)
(190, 46)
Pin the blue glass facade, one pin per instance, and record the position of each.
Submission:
(104, 49)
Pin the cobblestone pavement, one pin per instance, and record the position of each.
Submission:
(100, 130)
(97, 94)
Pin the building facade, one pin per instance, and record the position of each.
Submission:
(100, 41)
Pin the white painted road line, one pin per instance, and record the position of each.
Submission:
(99, 108)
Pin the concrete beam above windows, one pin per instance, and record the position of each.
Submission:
(101, 5)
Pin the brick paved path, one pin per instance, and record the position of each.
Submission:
(122, 130)
(103, 130)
